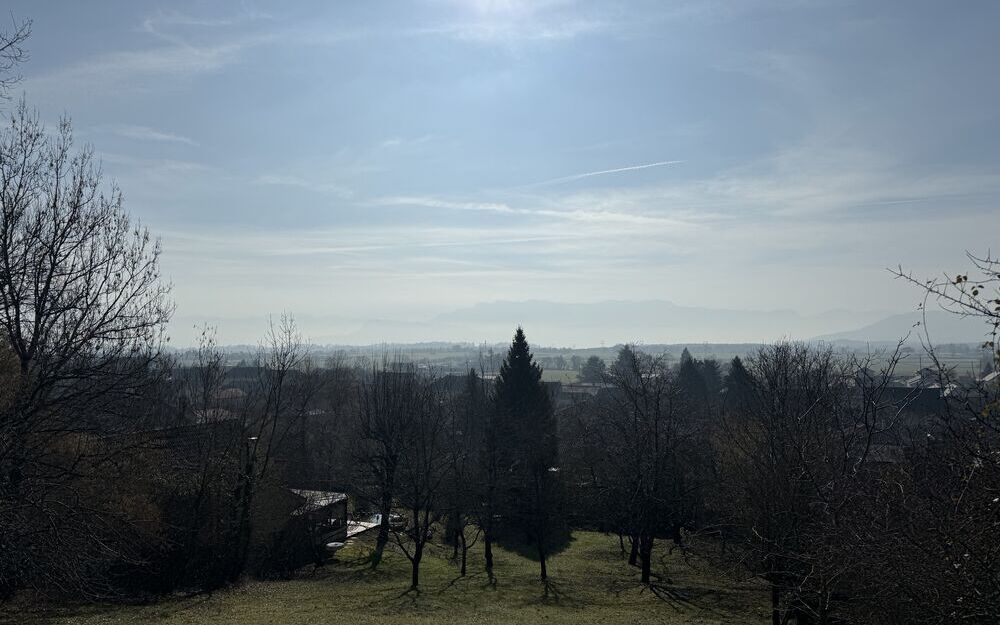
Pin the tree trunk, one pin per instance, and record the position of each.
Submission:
(824, 608)
(541, 558)
(465, 551)
(775, 605)
(383, 529)
(633, 556)
(418, 553)
(646, 555)
(240, 553)
(455, 529)
(621, 543)
(540, 521)
(488, 541)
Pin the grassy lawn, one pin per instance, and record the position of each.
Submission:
(556, 375)
(589, 583)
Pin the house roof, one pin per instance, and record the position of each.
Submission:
(316, 500)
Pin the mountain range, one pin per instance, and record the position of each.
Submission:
(611, 322)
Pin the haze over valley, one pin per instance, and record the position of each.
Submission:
(499, 311)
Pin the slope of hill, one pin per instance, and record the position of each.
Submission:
(555, 324)
(590, 583)
(654, 321)
(940, 326)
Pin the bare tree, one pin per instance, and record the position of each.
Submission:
(423, 473)
(387, 396)
(467, 414)
(282, 388)
(488, 485)
(641, 473)
(932, 540)
(12, 53)
(330, 431)
(83, 315)
(205, 481)
(794, 460)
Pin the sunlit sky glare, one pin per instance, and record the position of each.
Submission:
(396, 160)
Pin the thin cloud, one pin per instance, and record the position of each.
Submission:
(403, 243)
(179, 57)
(107, 72)
(153, 23)
(302, 183)
(511, 21)
(603, 172)
(156, 166)
(508, 32)
(432, 202)
(145, 133)
(597, 217)
(401, 142)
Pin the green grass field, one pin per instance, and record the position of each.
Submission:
(589, 583)
(556, 375)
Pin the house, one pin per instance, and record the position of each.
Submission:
(325, 515)
(295, 527)
(576, 392)
(325, 509)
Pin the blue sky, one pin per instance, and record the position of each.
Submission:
(381, 160)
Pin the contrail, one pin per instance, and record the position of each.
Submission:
(603, 172)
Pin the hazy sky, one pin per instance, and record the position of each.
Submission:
(395, 160)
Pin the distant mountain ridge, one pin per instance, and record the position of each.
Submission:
(937, 325)
(650, 321)
(562, 324)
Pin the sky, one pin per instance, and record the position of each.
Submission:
(358, 162)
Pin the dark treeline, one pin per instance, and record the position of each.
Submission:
(853, 500)
(125, 475)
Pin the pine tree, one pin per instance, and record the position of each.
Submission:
(629, 362)
(525, 407)
(593, 370)
(528, 442)
(686, 356)
(739, 384)
(692, 385)
(712, 375)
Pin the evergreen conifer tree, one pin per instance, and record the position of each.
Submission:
(593, 370)
(739, 384)
(712, 374)
(686, 356)
(692, 385)
(529, 446)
